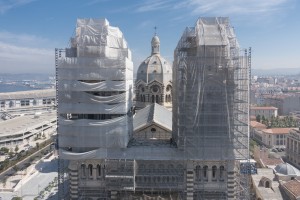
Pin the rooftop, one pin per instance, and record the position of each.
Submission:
(277, 130)
(153, 113)
(24, 123)
(31, 94)
(293, 187)
(266, 193)
(263, 108)
(255, 124)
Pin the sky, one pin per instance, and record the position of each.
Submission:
(30, 30)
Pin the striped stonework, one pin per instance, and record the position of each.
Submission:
(73, 184)
(190, 184)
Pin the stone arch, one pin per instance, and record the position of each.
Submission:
(90, 170)
(83, 170)
(205, 172)
(99, 170)
(221, 173)
(214, 172)
(267, 184)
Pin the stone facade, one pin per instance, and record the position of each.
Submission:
(293, 147)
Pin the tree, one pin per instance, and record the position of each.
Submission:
(258, 118)
(4, 149)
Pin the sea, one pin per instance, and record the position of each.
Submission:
(14, 88)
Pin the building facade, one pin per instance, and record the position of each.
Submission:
(13, 103)
(154, 79)
(265, 111)
(293, 147)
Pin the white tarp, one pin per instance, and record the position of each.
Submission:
(73, 97)
(87, 108)
(97, 81)
(74, 85)
(83, 62)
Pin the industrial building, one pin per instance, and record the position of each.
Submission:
(196, 156)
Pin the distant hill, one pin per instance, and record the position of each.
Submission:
(278, 71)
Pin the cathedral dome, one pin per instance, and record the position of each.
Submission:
(155, 67)
(154, 79)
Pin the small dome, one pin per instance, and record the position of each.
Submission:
(286, 169)
(155, 40)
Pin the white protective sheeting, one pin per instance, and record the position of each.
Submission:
(86, 108)
(94, 74)
(74, 85)
(95, 78)
(83, 62)
(84, 97)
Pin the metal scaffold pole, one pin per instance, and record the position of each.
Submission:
(61, 163)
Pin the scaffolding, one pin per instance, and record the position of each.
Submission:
(211, 98)
(210, 117)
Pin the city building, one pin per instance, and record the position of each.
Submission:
(154, 79)
(13, 103)
(292, 189)
(266, 111)
(110, 152)
(280, 182)
(255, 130)
(23, 129)
(293, 147)
(285, 103)
(271, 137)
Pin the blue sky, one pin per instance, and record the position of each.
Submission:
(31, 29)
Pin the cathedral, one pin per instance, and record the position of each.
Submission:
(154, 79)
(192, 152)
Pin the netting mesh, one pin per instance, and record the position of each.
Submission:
(210, 80)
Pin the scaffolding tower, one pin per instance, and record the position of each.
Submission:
(211, 100)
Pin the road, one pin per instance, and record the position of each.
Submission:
(29, 188)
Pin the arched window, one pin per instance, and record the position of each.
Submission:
(34, 102)
(166, 98)
(98, 170)
(83, 173)
(222, 172)
(214, 172)
(142, 98)
(90, 170)
(205, 171)
(157, 99)
(152, 98)
(198, 173)
(267, 184)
